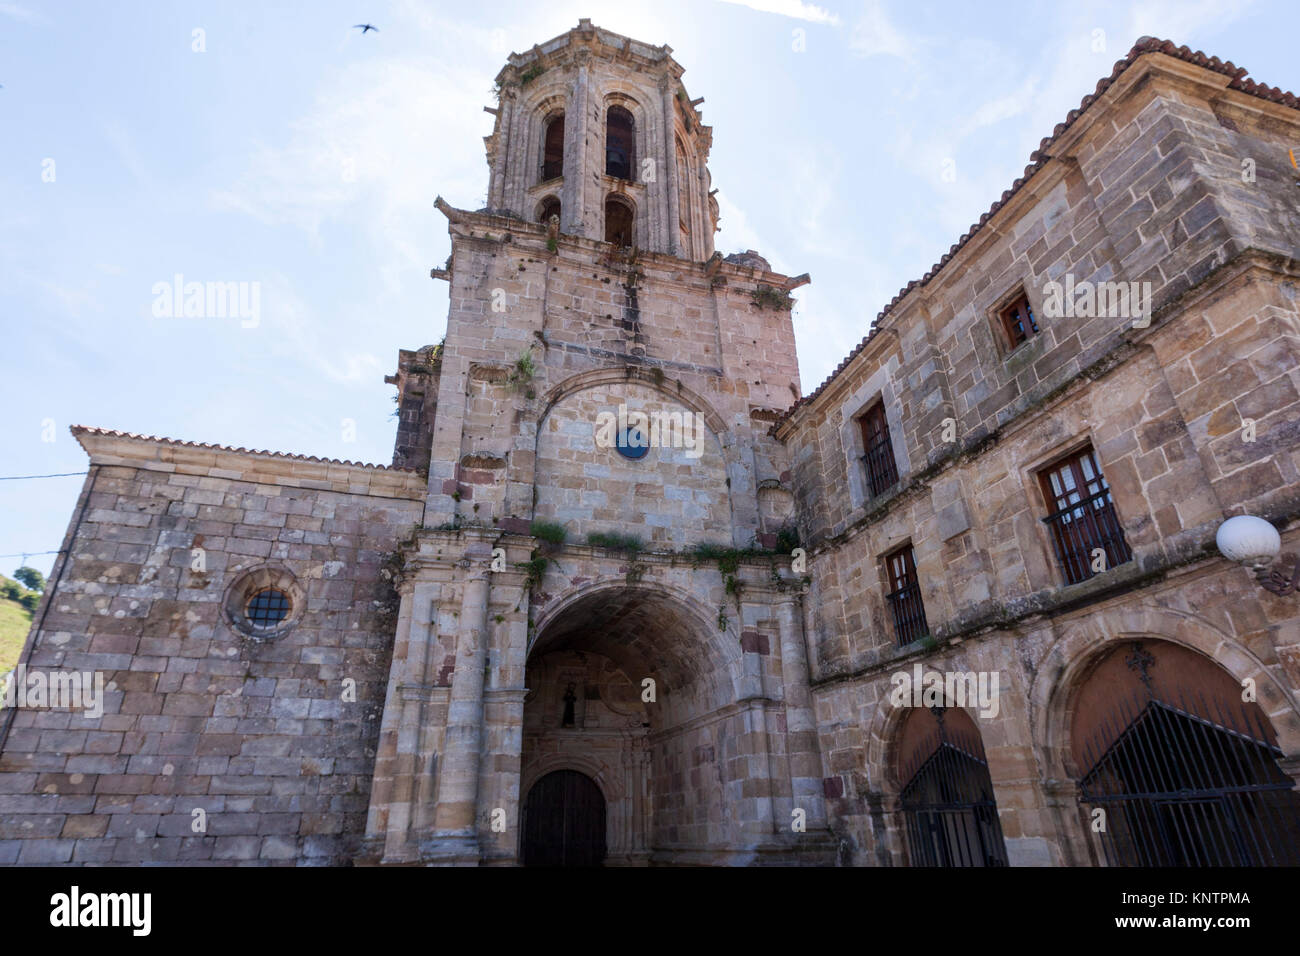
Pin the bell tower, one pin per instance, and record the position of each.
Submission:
(597, 129)
(600, 408)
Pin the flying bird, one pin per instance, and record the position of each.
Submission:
(364, 28)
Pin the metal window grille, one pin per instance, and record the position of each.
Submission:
(267, 608)
(1083, 517)
(905, 597)
(950, 815)
(882, 472)
(1179, 788)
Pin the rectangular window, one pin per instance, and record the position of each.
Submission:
(905, 596)
(882, 473)
(1018, 322)
(1085, 529)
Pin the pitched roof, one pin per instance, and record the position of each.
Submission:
(1038, 159)
(79, 430)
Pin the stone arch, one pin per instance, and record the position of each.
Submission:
(543, 105)
(883, 764)
(642, 376)
(884, 741)
(620, 141)
(705, 506)
(645, 628)
(553, 146)
(619, 218)
(547, 206)
(604, 776)
(1085, 642)
(721, 649)
(617, 99)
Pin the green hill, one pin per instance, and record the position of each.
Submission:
(15, 621)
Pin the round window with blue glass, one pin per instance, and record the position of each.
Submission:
(632, 443)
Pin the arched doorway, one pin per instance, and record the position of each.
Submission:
(564, 821)
(625, 681)
(1176, 768)
(949, 813)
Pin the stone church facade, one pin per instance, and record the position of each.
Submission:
(534, 639)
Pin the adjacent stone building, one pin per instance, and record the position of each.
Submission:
(625, 596)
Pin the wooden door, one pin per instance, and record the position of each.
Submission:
(564, 821)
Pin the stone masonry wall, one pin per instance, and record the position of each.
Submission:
(1132, 198)
(1191, 420)
(677, 499)
(583, 316)
(196, 715)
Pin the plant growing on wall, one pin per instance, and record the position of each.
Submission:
(533, 571)
(629, 543)
(523, 370)
(766, 297)
(550, 531)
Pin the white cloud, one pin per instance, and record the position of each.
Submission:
(795, 9)
(736, 234)
(875, 35)
(1180, 20)
(295, 332)
(1004, 107)
(18, 12)
(371, 155)
(124, 147)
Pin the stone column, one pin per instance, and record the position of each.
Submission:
(505, 149)
(386, 818)
(1074, 843)
(668, 174)
(573, 202)
(800, 721)
(455, 835)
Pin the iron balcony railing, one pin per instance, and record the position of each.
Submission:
(1082, 528)
(909, 613)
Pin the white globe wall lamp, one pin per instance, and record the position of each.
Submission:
(1255, 544)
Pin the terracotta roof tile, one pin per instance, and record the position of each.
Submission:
(79, 430)
(1038, 159)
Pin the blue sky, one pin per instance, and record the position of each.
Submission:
(298, 154)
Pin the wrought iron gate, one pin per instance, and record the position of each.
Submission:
(949, 812)
(1177, 788)
(564, 821)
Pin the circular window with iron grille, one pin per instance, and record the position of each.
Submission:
(263, 603)
(267, 608)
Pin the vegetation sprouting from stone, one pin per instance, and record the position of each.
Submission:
(613, 541)
(787, 539)
(533, 570)
(524, 369)
(549, 531)
(766, 297)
